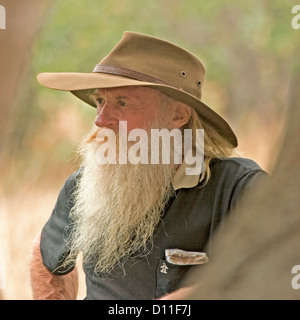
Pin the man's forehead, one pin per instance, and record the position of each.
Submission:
(130, 91)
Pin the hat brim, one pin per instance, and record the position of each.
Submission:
(81, 84)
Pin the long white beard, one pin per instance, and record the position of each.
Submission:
(117, 208)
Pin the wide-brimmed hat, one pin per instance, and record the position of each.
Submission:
(142, 60)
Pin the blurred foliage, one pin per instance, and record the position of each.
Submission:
(246, 46)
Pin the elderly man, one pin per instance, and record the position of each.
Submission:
(140, 225)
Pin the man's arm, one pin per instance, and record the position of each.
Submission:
(47, 286)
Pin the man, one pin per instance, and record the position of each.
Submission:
(140, 224)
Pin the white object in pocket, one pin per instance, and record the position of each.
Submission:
(185, 258)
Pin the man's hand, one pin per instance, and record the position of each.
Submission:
(47, 286)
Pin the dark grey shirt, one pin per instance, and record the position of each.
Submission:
(188, 223)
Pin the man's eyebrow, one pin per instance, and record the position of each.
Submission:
(94, 95)
(101, 94)
(123, 97)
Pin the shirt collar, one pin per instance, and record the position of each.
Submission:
(182, 180)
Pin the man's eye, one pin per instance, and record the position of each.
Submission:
(122, 103)
(100, 100)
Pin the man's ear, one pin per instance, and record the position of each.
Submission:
(181, 114)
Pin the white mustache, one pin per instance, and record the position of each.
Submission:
(112, 146)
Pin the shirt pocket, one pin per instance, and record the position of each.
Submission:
(168, 277)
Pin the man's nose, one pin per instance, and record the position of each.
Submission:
(106, 118)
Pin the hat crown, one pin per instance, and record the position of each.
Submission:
(159, 59)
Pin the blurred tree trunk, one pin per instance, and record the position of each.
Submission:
(253, 257)
(23, 20)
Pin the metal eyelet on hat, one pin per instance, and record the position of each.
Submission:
(183, 73)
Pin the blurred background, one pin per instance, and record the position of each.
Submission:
(248, 48)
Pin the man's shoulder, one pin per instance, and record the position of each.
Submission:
(74, 176)
(234, 168)
(71, 183)
(237, 163)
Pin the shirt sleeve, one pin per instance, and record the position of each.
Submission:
(57, 229)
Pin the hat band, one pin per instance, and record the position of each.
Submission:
(129, 74)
